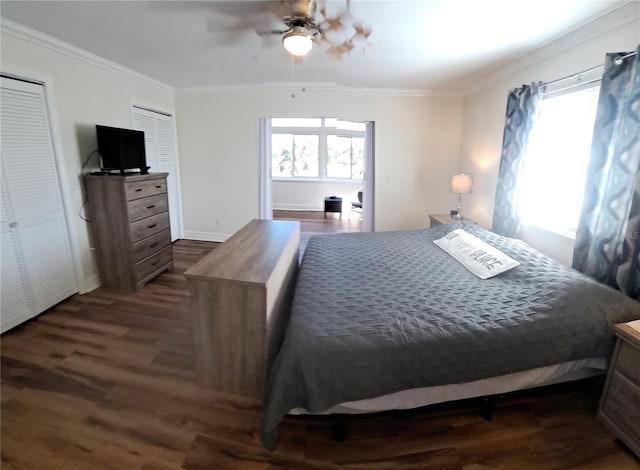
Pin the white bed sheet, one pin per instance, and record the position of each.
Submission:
(418, 397)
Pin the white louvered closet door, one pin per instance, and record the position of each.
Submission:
(15, 306)
(33, 201)
(160, 147)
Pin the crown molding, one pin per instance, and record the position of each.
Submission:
(43, 40)
(298, 88)
(33, 36)
(611, 20)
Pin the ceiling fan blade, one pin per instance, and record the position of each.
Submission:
(337, 18)
(271, 40)
(332, 24)
(362, 31)
(245, 15)
(348, 46)
(336, 52)
(214, 25)
(271, 32)
(269, 22)
(319, 40)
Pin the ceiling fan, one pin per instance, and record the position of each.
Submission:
(303, 23)
(301, 29)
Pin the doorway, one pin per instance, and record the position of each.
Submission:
(303, 161)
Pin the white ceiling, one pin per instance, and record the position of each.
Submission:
(433, 44)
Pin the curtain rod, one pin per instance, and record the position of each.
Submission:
(618, 60)
(574, 75)
(568, 87)
(568, 77)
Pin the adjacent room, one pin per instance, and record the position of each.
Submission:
(320, 234)
(318, 173)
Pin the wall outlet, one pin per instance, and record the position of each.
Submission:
(387, 179)
(218, 221)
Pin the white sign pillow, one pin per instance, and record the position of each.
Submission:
(477, 256)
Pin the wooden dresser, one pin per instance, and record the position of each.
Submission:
(241, 296)
(619, 409)
(130, 222)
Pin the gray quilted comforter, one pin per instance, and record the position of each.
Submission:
(376, 313)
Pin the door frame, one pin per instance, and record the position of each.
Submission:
(265, 205)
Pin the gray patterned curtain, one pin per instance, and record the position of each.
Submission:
(522, 107)
(607, 240)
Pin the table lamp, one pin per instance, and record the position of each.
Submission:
(461, 184)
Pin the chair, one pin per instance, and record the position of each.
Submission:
(357, 205)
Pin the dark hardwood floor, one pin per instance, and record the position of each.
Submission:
(106, 381)
(316, 223)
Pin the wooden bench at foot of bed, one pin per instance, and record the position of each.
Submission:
(241, 298)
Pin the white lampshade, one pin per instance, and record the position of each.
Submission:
(297, 41)
(461, 184)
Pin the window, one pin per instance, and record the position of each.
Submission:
(317, 148)
(294, 155)
(555, 162)
(345, 157)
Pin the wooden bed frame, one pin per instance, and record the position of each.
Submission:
(241, 296)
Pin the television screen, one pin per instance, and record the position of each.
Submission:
(121, 149)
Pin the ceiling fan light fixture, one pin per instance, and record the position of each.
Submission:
(298, 41)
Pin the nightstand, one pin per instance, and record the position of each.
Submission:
(619, 409)
(443, 219)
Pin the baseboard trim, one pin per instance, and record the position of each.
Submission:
(90, 283)
(205, 236)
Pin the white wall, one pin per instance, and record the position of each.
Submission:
(484, 110)
(83, 92)
(309, 196)
(417, 148)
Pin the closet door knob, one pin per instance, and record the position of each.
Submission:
(13, 224)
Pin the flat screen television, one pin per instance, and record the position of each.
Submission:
(121, 149)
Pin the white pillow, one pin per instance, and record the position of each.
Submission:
(477, 256)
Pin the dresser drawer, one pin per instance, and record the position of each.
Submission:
(150, 265)
(628, 362)
(150, 245)
(145, 188)
(144, 228)
(141, 208)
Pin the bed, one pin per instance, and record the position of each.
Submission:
(388, 320)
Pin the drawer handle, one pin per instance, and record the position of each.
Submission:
(153, 245)
(159, 186)
(154, 263)
(151, 226)
(151, 206)
(138, 190)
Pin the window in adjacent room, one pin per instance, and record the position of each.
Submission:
(345, 157)
(555, 163)
(295, 155)
(317, 148)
